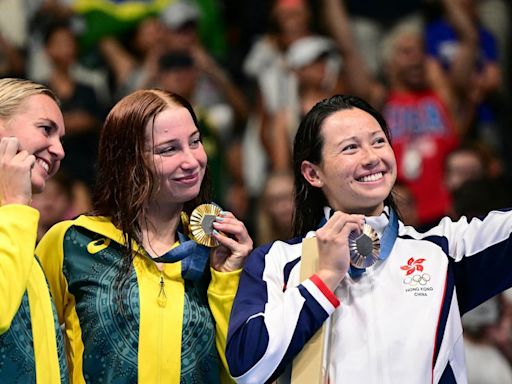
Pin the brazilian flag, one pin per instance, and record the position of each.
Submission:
(113, 17)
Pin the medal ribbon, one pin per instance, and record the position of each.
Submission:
(386, 242)
(193, 256)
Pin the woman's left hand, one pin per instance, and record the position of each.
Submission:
(235, 243)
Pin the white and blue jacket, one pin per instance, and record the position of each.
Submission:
(400, 321)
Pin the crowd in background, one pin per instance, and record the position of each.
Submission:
(439, 70)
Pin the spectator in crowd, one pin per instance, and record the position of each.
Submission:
(477, 85)
(475, 179)
(213, 85)
(181, 20)
(274, 85)
(290, 20)
(315, 63)
(484, 360)
(467, 162)
(134, 63)
(12, 63)
(476, 197)
(275, 208)
(420, 104)
(370, 21)
(82, 110)
(54, 204)
(192, 23)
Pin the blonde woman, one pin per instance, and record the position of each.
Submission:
(31, 128)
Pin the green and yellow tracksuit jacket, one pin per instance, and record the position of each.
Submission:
(31, 343)
(161, 329)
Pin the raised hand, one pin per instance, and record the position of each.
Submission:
(15, 172)
(333, 251)
(235, 243)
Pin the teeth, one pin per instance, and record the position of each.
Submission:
(374, 177)
(44, 165)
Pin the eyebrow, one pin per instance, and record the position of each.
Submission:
(51, 123)
(172, 141)
(355, 138)
(347, 139)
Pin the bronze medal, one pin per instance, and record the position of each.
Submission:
(364, 247)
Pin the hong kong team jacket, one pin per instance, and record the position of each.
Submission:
(31, 343)
(399, 322)
(162, 329)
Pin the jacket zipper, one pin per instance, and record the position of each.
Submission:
(162, 297)
(162, 302)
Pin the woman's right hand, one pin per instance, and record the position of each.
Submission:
(333, 250)
(15, 168)
(235, 243)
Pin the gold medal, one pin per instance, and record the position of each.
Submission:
(201, 224)
(364, 247)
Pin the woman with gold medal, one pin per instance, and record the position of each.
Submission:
(144, 284)
(386, 298)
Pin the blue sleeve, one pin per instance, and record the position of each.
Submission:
(270, 322)
(486, 266)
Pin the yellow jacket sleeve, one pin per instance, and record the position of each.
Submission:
(51, 254)
(221, 294)
(18, 233)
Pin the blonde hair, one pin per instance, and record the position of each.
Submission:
(407, 27)
(14, 91)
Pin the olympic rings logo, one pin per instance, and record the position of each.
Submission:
(417, 279)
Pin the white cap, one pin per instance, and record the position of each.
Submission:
(306, 50)
(179, 13)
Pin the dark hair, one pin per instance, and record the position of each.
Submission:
(476, 198)
(56, 26)
(308, 145)
(125, 181)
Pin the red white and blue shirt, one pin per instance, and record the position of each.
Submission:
(423, 134)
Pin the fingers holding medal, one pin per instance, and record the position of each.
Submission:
(333, 244)
(346, 240)
(222, 231)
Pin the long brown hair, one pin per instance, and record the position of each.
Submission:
(125, 181)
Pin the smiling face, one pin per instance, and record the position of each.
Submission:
(177, 154)
(39, 127)
(358, 166)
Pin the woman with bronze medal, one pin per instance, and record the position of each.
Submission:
(384, 302)
(144, 284)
